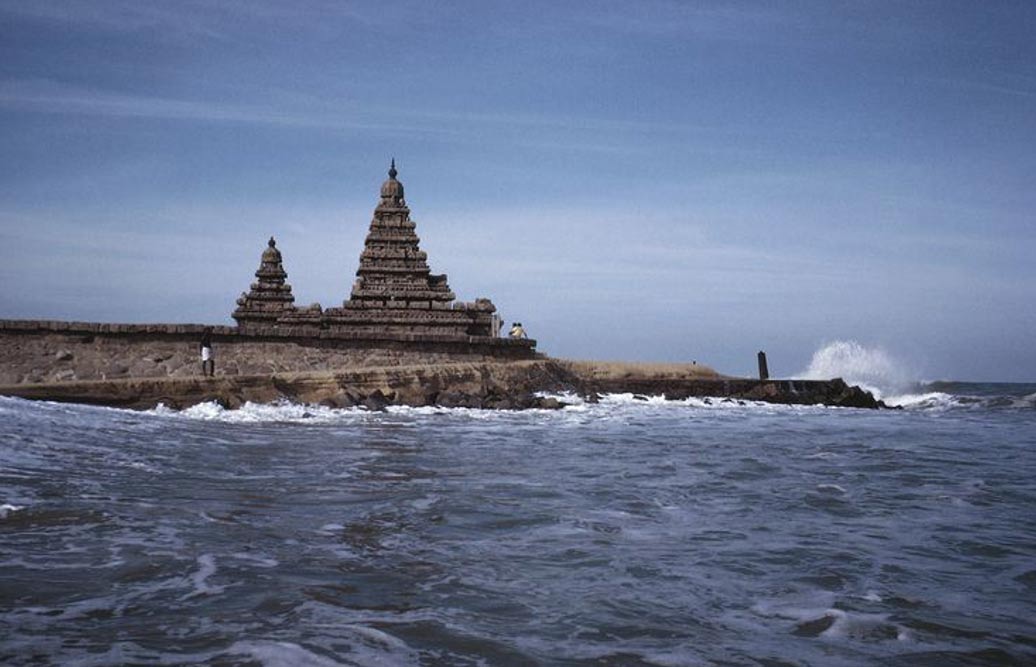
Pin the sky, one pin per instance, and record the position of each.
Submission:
(646, 180)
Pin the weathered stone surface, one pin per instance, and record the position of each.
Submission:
(494, 385)
(270, 297)
(40, 355)
(159, 363)
(394, 290)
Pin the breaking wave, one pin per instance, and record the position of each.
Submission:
(893, 381)
(872, 368)
(607, 406)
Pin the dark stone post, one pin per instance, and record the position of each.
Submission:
(764, 372)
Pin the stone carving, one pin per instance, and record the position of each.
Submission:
(270, 298)
(395, 291)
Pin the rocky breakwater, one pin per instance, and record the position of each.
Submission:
(483, 384)
(681, 381)
(494, 385)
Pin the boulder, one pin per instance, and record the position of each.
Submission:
(376, 402)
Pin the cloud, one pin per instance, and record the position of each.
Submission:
(190, 19)
(1013, 90)
(537, 132)
(45, 96)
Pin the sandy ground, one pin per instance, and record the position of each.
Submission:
(625, 370)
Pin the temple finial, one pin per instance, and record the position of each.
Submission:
(392, 169)
(272, 243)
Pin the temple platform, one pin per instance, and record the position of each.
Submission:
(41, 351)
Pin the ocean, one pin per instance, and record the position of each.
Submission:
(627, 532)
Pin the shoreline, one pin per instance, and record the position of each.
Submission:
(501, 385)
(140, 366)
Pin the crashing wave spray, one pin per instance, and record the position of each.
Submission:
(874, 369)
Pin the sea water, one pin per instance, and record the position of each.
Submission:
(627, 532)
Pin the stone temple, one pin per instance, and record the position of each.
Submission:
(395, 291)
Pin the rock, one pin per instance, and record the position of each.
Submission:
(852, 397)
(454, 399)
(549, 403)
(498, 403)
(341, 400)
(376, 402)
(64, 355)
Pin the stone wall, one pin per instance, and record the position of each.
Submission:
(44, 351)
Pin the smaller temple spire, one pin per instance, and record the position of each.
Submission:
(392, 170)
(270, 296)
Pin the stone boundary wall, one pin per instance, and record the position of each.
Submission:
(41, 351)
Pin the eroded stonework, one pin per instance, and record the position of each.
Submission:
(270, 297)
(394, 292)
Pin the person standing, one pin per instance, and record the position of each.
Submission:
(208, 361)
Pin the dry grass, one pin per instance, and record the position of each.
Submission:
(625, 370)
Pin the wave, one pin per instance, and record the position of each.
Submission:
(608, 405)
(895, 382)
(7, 508)
(281, 411)
(871, 368)
(937, 400)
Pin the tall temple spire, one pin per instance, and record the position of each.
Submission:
(395, 290)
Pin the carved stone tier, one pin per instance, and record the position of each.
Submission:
(395, 289)
(270, 298)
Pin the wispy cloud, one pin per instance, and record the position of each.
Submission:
(585, 135)
(556, 131)
(52, 97)
(190, 18)
(1014, 90)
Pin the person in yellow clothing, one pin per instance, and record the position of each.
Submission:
(517, 331)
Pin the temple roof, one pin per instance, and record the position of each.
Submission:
(392, 190)
(271, 254)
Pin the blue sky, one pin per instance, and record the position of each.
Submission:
(638, 180)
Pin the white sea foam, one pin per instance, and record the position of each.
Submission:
(1028, 401)
(257, 559)
(814, 614)
(872, 368)
(249, 413)
(608, 405)
(867, 627)
(282, 654)
(367, 646)
(931, 400)
(7, 508)
(206, 568)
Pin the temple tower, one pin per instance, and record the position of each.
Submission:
(395, 290)
(270, 297)
(393, 267)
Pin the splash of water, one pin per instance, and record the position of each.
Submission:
(872, 368)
